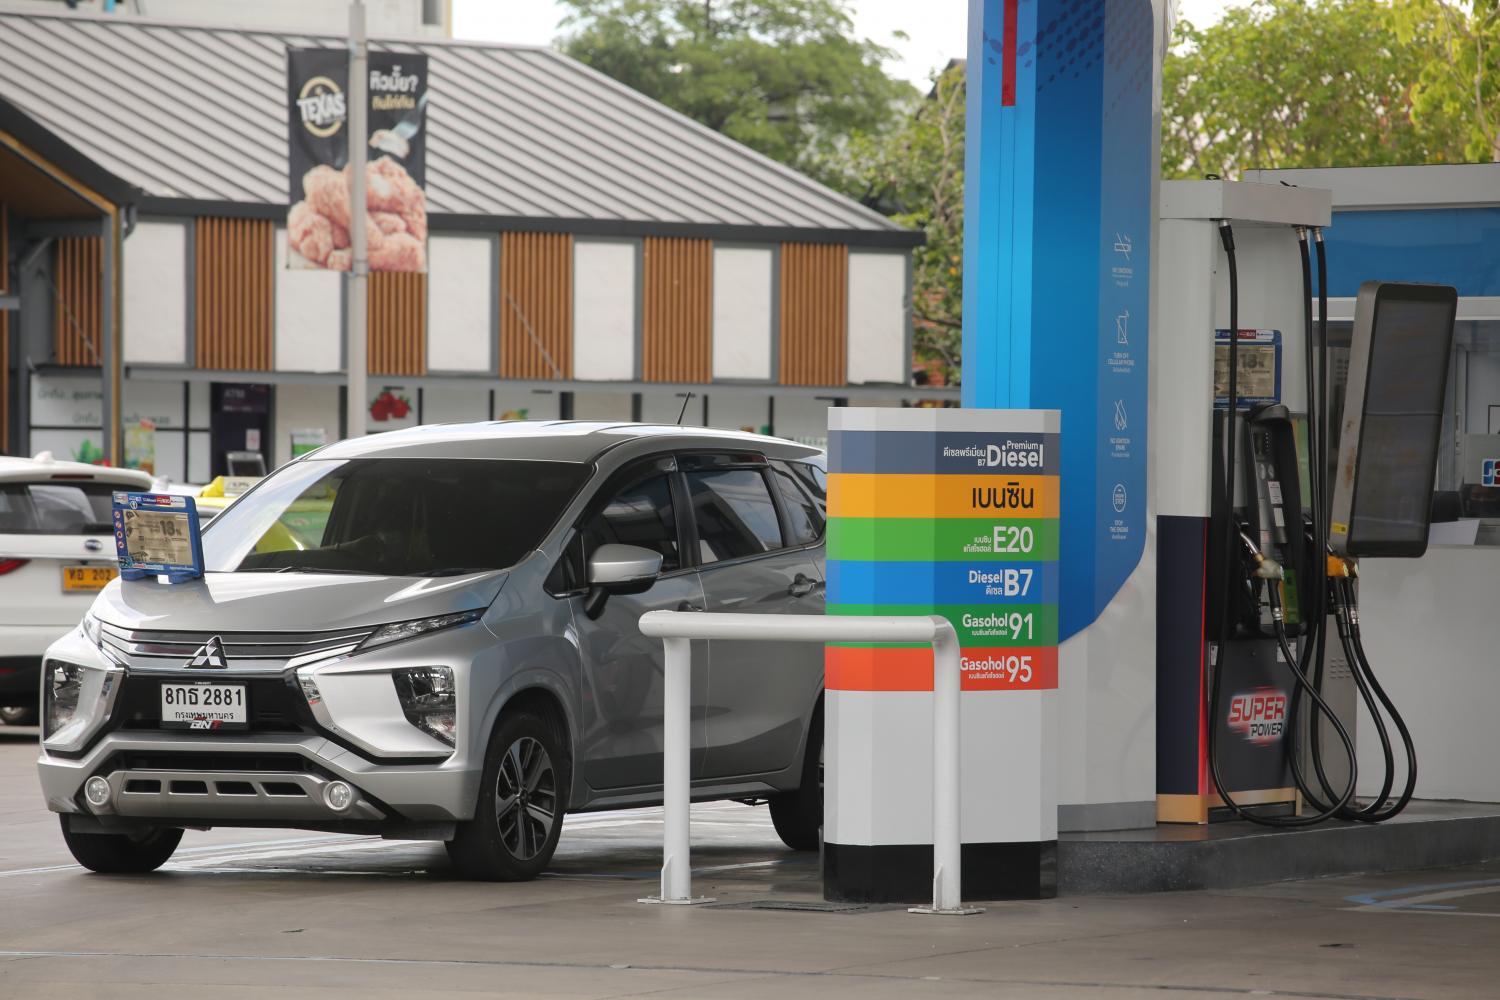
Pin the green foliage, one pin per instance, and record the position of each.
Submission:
(915, 174)
(785, 77)
(1462, 83)
(1306, 83)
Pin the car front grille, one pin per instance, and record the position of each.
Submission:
(259, 652)
(194, 760)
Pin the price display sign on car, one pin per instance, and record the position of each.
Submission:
(157, 534)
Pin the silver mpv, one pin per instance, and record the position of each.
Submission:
(432, 634)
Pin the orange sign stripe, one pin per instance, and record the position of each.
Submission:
(858, 494)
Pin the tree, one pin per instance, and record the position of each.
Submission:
(785, 77)
(1463, 82)
(914, 173)
(1305, 83)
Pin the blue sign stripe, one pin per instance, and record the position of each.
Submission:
(860, 582)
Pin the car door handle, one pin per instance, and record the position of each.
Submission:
(802, 585)
(688, 606)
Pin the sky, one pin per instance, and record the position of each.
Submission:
(936, 29)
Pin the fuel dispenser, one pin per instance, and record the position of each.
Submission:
(1257, 690)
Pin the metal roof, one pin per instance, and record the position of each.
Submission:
(199, 113)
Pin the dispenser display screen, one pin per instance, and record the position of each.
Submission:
(1398, 379)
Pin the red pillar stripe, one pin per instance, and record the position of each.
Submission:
(1008, 56)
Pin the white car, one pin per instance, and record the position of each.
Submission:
(57, 551)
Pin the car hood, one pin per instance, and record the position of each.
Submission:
(290, 602)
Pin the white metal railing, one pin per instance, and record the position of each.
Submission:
(676, 629)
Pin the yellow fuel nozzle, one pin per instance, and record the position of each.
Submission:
(1338, 566)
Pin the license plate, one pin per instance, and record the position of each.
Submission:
(87, 578)
(205, 706)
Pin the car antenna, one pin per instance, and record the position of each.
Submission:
(687, 397)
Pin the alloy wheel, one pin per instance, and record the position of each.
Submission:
(525, 798)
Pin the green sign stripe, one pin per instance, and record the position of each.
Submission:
(912, 539)
(978, 626)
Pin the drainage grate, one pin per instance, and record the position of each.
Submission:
(810, 906)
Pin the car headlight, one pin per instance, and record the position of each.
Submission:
(387, 634)
(92, 629)
(61, 687)
(428, 700)
(76, 701)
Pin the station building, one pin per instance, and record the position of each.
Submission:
(593, 254)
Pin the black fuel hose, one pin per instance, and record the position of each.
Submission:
(1347, 617)
(1226, 626)
(1312, 591)
(1361, 662)
(1344, 612)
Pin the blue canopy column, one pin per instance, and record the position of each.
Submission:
(1062, 174)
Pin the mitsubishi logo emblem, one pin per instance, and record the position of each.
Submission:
(210, 655)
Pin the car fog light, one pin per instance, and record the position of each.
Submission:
(428, 700)
(338, 796)
(96, 790)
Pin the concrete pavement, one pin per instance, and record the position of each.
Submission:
(287, 914)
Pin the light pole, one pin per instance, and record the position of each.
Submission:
(356, 343)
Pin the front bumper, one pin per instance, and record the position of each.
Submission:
(251, 780)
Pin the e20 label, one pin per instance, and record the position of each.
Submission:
(1014, 538)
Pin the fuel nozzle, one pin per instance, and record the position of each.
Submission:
(1266, 568)
(1340, 571)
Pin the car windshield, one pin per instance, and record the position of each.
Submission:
(55, 508)
(392, 517)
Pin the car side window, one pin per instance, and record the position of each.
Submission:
(641, 514)
(814, 478)
(804, 519)
(734, 513)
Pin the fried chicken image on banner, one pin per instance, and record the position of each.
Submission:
(395, 226)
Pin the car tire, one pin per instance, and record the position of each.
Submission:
(519, 815)
(121, 853)
(798, 815)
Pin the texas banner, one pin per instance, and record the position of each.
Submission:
(318, 221)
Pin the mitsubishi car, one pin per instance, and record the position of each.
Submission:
(433, 634)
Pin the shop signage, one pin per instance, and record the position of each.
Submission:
(950, 512)
(318, 161)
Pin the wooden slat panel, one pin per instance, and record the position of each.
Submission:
(814, 313)
(677, 310)
(536, 305)
(78, 301)
(398, 323)
(234, 290)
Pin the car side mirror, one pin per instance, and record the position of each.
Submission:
(619, 569)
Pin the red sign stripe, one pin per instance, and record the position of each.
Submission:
(1008, 56)
(907, 668)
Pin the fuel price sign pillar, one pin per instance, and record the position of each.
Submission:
(950, 512)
